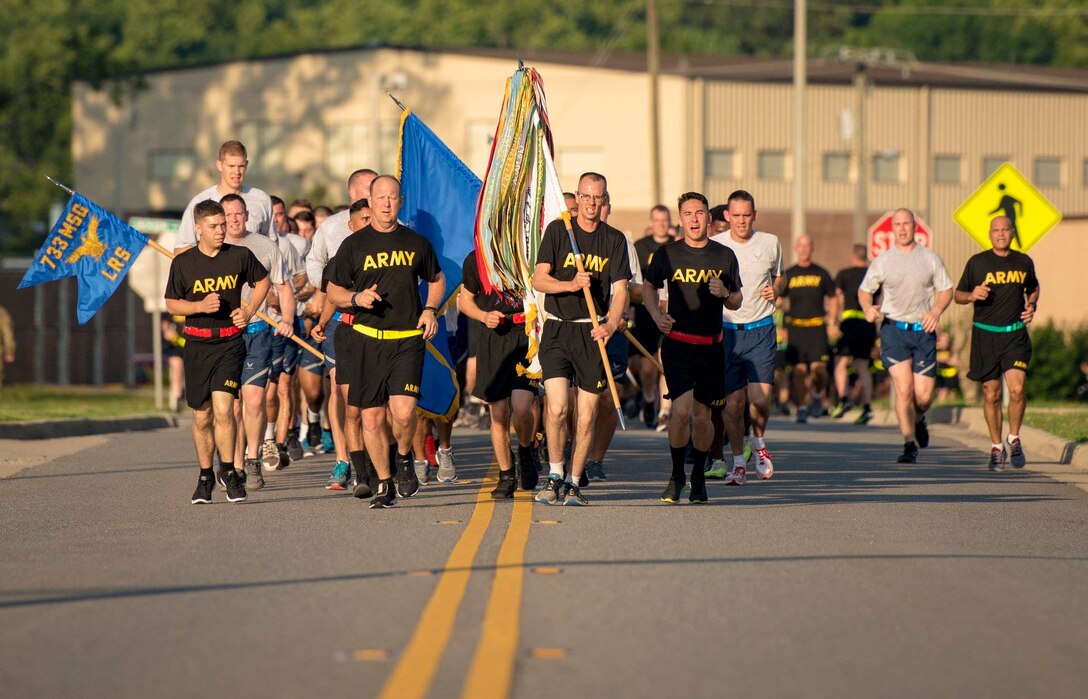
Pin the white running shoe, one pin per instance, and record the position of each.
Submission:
(764, 465)
(270, 455)
(736, 476)
(447, 469)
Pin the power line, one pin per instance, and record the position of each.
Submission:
(905, 9)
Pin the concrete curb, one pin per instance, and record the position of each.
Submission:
(49, 429)
(1047, 446)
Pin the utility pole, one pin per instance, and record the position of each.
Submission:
(653, 60)
(800, 31)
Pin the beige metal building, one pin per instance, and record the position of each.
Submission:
(932, 135)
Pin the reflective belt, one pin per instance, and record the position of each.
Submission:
(229, 331)
(904, 325)
(852, 314)
(256, 327)
(689, 339)
(806, 322)
(1018, 325)
(947, 372)
(517, 318)
(762, 323)
(386, 334)
(341, 317)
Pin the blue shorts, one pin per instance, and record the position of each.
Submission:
(617, 349)
(258, 363)
(276, 368)
(915, 346)
(292, 351)
(749, 356)
(310, 363)
(327, 347)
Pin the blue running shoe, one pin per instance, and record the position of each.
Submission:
(327, 445)
(341, 476)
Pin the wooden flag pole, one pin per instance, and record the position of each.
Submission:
(645, 352)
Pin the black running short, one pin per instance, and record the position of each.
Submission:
(698, 368)
(858, 338)
(568, 352)
(212, 366)
(386, 368)
(646, 333)
(992, 354)
(498, 354)
(346, 344)
(807, 345)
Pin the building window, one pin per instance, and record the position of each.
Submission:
(1048, 172)
(349, 145)
(771, 165)
(573, 162)
(264, 144)
(886, 167)
(836, 167)
(990, 163)
(172, 165)
(946, 169)
(718, 165)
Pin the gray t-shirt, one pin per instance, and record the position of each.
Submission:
(908, 281)
(258, 204)
(268, 254)
(760, 261)
(330, 234)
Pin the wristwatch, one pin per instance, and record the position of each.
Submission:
(432, 309)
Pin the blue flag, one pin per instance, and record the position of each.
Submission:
(439, 202)
(91, 244)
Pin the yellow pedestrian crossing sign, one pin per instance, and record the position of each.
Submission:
(1007, 193)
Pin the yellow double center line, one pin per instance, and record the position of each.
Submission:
(492, 668)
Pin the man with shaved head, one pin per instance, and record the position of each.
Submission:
(1001, 284)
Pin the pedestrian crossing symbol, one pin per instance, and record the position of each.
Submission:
(1007, 193)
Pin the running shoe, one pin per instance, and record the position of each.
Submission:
(385, 497)
(698, 495)
(254, 479)
(865, 417)
(407, 482)
(327, 445)
(294, 448)
(236, 487)
(527, 472)
(285, 458)
(270, 455)
(572, 495)
(764, 465)
(672, 492)
(649, 416)
(583, 480)
(423, 470)
(506, 486)
(447, 469)
(313, 434)
(997, 459)
(802, 414)
(341, 476)
(737, 476)
(222, 483)
(549, 493)
(1016, 455)
(595, 471)
(362, 488)
(817, 408)
(909, 455)
(747, 451)
(840, 409)
(715, 469)
(203, 493)
(921, 433)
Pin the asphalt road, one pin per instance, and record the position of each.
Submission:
(845, 575)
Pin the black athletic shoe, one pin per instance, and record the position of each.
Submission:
(921, 433)
(203, 493)
(362, 489)
(583, 480)
(313, 434)
(649, 415)
(698, 495)
(672, 492)
(506, 486)
(909, 455)
(573, 496)
(294, 448)
(236, 487)
(385, 496)
(1016, 454)
(407, 481)
(529, 476)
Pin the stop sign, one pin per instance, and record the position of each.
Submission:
(881, 238)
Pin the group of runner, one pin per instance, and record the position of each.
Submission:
(704, 305)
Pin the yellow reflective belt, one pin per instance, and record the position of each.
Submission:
(805, 322)
(386, 334)
(852, 314)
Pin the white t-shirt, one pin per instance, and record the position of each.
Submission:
(268, 254)
(258, 205)
(760, 261)
(330, 234)
(908, 280)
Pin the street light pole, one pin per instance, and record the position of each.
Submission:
(653, 60)
(861, 204)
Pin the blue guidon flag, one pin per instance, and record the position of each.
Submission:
(91, 244)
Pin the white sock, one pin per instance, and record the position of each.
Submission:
(555, 470)
(270, 431)
(738, 460)
(445, 450)
(1013, 438)
(998, 447)
(756, 443)
(311, 416)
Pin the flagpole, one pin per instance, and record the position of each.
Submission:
(593, 320)
(644, 351)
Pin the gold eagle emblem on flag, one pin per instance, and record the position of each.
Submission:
(91, 247)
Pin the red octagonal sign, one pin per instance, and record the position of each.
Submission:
(881, 238)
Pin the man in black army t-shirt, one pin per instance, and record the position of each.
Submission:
(1001, 283)
(501, 345)
(568, 352)
(808, 287)
(205, 286)
(645, 330)
(702, 276)
(376, 272)
(857, 336)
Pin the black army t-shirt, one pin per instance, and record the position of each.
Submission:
(506, 303)
(1009, 278)
(194, 275)
(395, 262)
(604, 256)
(687, 271)
(848, 280)
(645, 249)
(806, 288)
